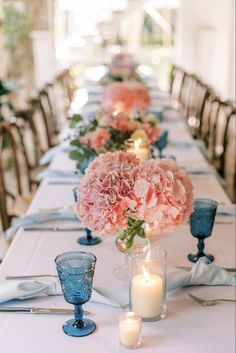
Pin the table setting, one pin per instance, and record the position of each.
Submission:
(128, 242)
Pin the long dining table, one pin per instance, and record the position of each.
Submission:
(188, 326)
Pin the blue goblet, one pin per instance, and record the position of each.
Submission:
(201, 225)
(75, 271)
(88, 239)
(162, 142)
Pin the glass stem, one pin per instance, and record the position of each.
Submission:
(78, 312)
(201, 246)
(88, 234)
(160, 153)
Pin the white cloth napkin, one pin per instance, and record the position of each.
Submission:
(202, 273)
(52, 173)
(51, 153)
(43, 216)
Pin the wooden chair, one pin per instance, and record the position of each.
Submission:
(229, 168)
(218, 121)
(194, 110)
(204, 128)
(15, 185)
(46, 106)
(176, 84)
(226, 110)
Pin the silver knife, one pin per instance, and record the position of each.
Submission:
(229, 269)
(53, 229)
(29, 276)
(34, 310)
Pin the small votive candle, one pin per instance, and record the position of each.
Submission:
(139, 148)
(130, 330)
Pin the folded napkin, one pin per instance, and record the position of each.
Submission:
(40, 217)
(51, 153)
(197, 171)
(202, 273)
(226, 210)
(26, 289)
(182, 144)
(53, 173)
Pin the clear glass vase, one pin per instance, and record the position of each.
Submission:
(122, 272)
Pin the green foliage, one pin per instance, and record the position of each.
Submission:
(135, 227)
(15, 26)
(76, 118)
(82, 154)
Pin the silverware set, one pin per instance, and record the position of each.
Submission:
(209, 302)
(36, 310)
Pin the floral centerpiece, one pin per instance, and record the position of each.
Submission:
(125, 97)
(108, 132)
(118, 194)
(122, 67)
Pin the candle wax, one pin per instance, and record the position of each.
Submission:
(147, 295)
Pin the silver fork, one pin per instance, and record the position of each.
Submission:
(30, 276)
(209, 302)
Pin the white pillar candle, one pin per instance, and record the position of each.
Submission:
(140, 152)
(147, 295)
(129, 329)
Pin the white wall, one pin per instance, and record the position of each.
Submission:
(207, 42)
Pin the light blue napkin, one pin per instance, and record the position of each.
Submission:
(226, 211)
(51, 153)
(202, 273)
(182, 144)
(40, 217)
(52, 173)
(21, 290)
(197, 170)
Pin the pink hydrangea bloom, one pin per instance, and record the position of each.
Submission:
(151, 127)
(125, 96)
(163, 193)
(120, 122)
(103, 197)
(97, 138)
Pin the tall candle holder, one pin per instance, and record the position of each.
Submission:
(148, 283)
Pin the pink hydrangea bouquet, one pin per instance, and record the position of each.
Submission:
(119, 194)
(125, 97)
(109, 132)
(122, 66)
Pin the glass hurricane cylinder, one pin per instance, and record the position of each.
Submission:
(148, 283)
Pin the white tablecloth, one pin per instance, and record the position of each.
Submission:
(188, 327)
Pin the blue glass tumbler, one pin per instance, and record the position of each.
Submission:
(88, 239)
(201, 225)
(75, 271)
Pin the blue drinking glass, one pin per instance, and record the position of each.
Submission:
(162, 142)
(75, 271)
(88, 239)
(201, 225)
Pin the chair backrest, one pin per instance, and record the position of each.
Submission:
(229, 166)
(217, 125)
(226, 110)
(207, 108)
(176, 83)
(48, 114)
(14, 172)
(39, 125)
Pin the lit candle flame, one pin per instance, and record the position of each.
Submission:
(137, 143)
(145, 272)
(115, 113)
